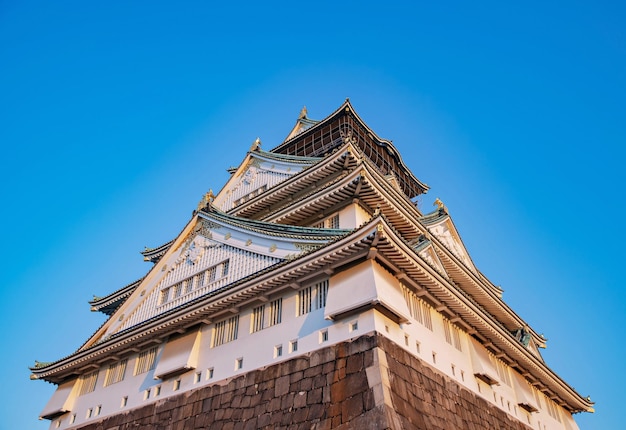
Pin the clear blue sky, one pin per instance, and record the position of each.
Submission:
(116, 117)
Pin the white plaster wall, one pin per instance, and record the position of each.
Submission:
(446, 355)
(257, 350)
(352, 216)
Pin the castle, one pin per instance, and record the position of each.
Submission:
(312, 292)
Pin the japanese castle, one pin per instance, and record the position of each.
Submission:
(311, 292)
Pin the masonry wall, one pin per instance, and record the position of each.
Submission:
(367, 383)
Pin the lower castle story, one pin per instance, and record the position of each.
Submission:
(369, 382)
(411, 374)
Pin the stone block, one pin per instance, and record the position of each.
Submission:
(352, 407)
(314, 396)
(282, 386)
(354, 363)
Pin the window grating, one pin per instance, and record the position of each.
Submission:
(115, 372)
(146, 361)
(225, 331)
(88, 383)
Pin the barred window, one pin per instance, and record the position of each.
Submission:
(275, 312)
(321, 291)
(225, 331)
(457, 339)
(428, 321)
(145, 361)
(503, 371)
(115, 372)
(553, 409)
(446, 330)
(258, 319)
(165, 295)
(88, 383)
(418, 308)
(188, 285)
(304, 300)
(200, 279)
(312, 297)
(178, 289)
(211, 273)
(333, 222)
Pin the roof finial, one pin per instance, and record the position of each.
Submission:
(302, 113)
(439, 204)
(206, 200)
(256, 144)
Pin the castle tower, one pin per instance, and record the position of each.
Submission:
(311, 292)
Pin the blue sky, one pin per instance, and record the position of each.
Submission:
(115, 119)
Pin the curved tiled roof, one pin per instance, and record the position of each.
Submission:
(344, 125)
(274, 229)
(109, 303)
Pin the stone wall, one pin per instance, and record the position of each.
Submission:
(368, 383)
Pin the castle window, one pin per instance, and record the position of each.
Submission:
(419, 309)
(457, 338)
(88, 383)
(200, 279)
(275, 312)
(98, 409)
(145, 361)
(354, 326)
(323, 336)
(89, 413)
(188, 285)
(198, 377)
(330, 222)
(124, 402)
(178, 290)
(503, 371)
(239, 363)
(225, 331)
(146, 394)
(165, 295)
(73, 419)
(304, 300)
(176, 385)
(209, 374)
(333, 222)
(258, 319)
(446, 330)
(211, 273)
(115, 373)
(278, 351)
(293, 345)
(312, 297)
(157, 391)
(261, 319)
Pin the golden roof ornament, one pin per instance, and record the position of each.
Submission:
(256, 144)
(439, 204)
(206, 200)
(303, 113)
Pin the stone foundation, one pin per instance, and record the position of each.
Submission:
(368, 383)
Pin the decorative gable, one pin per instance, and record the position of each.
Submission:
(258, 172)
(447, 234)
(214, 251)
